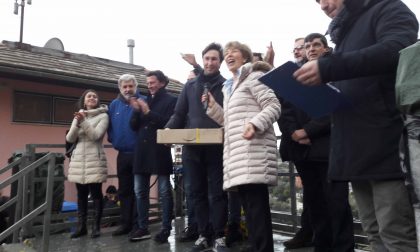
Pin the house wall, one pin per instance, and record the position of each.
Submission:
(14, 136)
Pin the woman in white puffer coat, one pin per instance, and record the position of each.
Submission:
(250, 152)
(88, 165)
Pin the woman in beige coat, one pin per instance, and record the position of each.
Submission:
(88, 166)
(250, 153)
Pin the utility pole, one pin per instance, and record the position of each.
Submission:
(22, 15)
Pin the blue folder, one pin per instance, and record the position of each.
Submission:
(316, 101)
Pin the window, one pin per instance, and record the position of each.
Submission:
(32, 108)
(41, 108)
(64, 109)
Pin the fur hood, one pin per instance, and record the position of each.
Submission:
(248, 68)
(94, 112)
(261, 66)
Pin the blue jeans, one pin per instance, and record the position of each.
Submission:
(142, 191)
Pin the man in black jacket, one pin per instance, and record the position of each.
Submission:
(150, 158)
(306, 143)
(204, 163)
(303, 237)
(365, 138)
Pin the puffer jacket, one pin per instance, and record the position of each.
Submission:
(248, 161)
(88, 161)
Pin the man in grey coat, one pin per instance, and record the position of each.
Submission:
(365, 137)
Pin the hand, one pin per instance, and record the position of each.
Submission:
(269, 55)
(209, 98)
(143, 106)
(299, 135)
(309, 74)
(305, 141)
(190, 58)
(79, 116)
(134, 104)
(249, 131)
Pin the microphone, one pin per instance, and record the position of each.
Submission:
(206, 92)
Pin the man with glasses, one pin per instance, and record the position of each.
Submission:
(303, 237)
(299, 51)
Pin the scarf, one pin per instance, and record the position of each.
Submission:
(336, 26)
(346, 17)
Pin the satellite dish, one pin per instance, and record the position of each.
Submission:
(55, 44)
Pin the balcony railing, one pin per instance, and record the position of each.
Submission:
(284, 221)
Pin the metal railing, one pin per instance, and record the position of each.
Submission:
(22, 217)
(283, 222)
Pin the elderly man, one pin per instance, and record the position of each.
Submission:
(123, 139)
(364, 139)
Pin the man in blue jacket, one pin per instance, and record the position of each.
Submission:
(365, 138)
(123, 139)
(204, 162)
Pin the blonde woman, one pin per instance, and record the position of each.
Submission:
(88, 165)
(250, 154)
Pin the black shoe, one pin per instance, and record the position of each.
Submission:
(162, 236)
(188, 234)
(140, 234)
(299, 241)
(201, 244)
(121, 231)
(95, 233)
(81, 231)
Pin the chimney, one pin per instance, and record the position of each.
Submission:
(130, 44)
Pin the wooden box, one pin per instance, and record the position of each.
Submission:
(190, 136)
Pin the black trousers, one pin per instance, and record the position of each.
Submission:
(305, 218)
(126, 190)
(210, 201)
(83, 190)
(329, 209)
(254, 199)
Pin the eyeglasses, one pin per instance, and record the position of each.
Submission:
(298, 48)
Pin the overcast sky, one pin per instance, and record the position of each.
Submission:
(162, 29)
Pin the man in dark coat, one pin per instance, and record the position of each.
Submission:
(204, 162)
(151, 158)
(364, 139)
(305, 141)
(303, 237)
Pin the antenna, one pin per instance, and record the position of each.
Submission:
(22, 11)
(16, 8)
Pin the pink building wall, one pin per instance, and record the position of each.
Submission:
(14, 136)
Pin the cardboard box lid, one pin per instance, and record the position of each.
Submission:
(190, 136)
